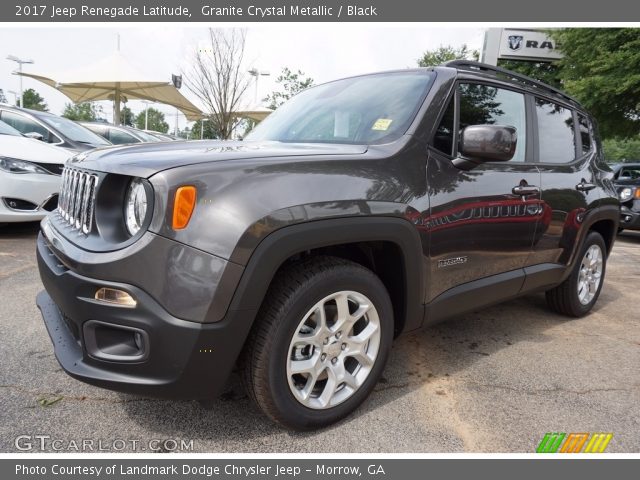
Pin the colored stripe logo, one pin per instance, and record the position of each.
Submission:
(556, 442)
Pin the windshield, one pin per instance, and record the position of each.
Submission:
(8, 130)
(363, 110)
(73, 131)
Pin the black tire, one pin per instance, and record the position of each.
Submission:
(294, 291)
(564, 298)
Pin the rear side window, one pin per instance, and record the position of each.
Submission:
(556, 133)
(487, 105)
(118, 137)
(584, 127)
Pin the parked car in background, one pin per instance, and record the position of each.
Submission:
(51, 129)
(29, 176)
(120, 134)
(626, 178)
(164, 136)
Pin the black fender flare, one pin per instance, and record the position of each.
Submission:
(285, 242)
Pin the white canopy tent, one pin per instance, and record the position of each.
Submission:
(115, 78)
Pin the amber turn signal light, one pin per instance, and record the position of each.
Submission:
(183, 205)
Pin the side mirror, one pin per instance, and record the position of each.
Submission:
(34, 135)
(486, 143)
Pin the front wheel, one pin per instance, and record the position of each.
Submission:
(577, 295)
(322, 341)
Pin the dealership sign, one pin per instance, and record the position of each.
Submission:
(527, 45)
(512, 44)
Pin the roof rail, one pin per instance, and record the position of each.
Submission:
(471, 65)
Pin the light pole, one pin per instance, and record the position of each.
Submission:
(254, 72)
(20, 62)
(146, 114)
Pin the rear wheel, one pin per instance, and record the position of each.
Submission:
(322, 341)
(577, 295)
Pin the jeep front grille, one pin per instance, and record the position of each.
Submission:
(76, 204)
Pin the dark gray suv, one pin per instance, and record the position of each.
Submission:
(361, 209)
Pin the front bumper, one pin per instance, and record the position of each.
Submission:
(36, 189)
(183, 359)
(629, 219)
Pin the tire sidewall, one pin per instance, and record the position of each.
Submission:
(341, 279)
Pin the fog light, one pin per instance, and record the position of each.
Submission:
(115, 296)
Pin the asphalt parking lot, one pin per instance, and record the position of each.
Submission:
(491, 381)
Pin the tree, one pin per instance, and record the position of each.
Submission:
(443, 54)
(289, 84)
(209, 130)
(85, 111)
(33, 100)
(547, 72)
(127, 117)
(155, 122)
(621, 150)
(601, 68)
(218, 79)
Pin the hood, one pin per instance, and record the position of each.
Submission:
(32, 150)
(146, 159)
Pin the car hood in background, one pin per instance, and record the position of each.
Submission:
(144, 160)
(32, 150)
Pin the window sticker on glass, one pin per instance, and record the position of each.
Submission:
(382, 124)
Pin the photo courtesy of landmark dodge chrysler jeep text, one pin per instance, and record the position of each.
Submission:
(361, 209)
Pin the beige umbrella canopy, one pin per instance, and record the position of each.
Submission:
(258, 113)
(115, 78)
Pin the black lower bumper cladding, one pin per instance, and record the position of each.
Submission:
(183, 359)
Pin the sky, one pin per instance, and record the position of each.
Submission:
(322, 51)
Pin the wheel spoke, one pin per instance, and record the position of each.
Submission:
(329, 389)
(309, 365)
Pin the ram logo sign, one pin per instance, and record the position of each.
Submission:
(532, 45)
(574, 443)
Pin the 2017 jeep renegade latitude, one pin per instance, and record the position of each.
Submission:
(360, 209)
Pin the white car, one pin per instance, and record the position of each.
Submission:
(29, 176)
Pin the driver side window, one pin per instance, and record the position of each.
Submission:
(487, 105)
(483, 105)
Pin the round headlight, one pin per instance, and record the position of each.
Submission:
(625, 194)
(135, 207)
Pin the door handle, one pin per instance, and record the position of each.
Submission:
(523, 190)
(585, 186)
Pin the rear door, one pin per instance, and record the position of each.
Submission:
(565, 149)
(482, 222)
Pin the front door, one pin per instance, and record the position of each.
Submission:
(481, 221)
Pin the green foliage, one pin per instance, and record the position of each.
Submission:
(156, 121)
(33, 100)
(547, 72)
(85, 111)
(443, 54)
(290, 84)
(127, 117)
(601, 68)
(210, 132)
(622, 149)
